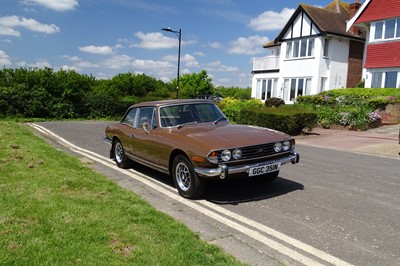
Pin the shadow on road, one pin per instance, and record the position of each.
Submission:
(241, 190)
(233, 191)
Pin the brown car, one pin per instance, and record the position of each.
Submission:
(192, 140)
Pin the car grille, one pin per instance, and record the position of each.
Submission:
(256, 151)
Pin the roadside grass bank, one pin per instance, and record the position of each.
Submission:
(56, 210)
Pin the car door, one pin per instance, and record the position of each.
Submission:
(145, 147)
(128, 129)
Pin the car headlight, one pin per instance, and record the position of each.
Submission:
(237, 154)
(278, 146)
(286, 145)
(226, 155)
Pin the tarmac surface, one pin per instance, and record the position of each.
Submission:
(383, 141)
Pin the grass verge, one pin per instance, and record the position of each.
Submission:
(55, 210)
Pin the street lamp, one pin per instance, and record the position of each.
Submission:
(178, 34)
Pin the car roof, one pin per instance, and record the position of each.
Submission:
(171, 102)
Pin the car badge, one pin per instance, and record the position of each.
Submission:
(259, 150)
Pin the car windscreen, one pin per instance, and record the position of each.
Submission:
(182, 114)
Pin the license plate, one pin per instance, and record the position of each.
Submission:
(264, 169)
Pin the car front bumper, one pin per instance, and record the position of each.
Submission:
(223, 171)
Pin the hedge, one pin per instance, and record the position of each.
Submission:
(288, 119)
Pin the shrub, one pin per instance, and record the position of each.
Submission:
(291, 120)
(232, 107)
(274, 102)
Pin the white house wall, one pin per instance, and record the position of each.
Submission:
(339, 51)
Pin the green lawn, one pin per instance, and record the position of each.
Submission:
(55, 210)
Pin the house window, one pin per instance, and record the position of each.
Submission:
(391, 79)
(326, 48)
(387, 29)
(300, 48)
(289, 49)
(378, 30)
(376, 80)
(386, 79)
(323, 83)
(297, 87)
(398, 28)
(266, 88)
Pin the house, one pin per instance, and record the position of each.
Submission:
(312, 53)
(381, 20)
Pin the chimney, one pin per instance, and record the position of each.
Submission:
(353, 10)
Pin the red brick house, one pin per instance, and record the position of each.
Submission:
(381, 60)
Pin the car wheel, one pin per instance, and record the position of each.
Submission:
(267, 178)
(120, 157)
(187, 182)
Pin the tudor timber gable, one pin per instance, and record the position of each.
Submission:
(312, 53)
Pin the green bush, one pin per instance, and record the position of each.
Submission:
(274, 102)
(289, 119)
(232, 107)
(353, 108)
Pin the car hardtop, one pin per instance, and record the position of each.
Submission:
(162, 103)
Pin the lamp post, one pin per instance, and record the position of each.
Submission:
(178, 34)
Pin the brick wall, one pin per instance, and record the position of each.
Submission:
(354, 69)
(391, 115)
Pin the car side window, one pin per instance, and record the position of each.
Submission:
(129, 118)
(147, 115)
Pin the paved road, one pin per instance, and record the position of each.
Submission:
(333, 207)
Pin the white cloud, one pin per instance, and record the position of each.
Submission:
(248, 46)
(150, 64)
(104, 50)
(118, 62)
(38, 64)
(216, 45)
(58, 5)
(8, 31)
(190, 60)
(271, 20)
(8, 23)
(156, 40)
(72, 58)
(199, 53)
(218, 66)
(4, 59)
(68, 68)
(85, 64)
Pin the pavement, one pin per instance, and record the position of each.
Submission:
(383, 141)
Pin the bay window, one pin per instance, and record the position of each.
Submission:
(295, 87)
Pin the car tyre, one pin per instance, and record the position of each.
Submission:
(187, 182)
(267, 178)
(120, 157)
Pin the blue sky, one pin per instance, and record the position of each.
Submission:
(103, 37)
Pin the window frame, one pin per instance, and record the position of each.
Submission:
(381, 29)
(300, 48)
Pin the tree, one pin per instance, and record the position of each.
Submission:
(195, 85)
